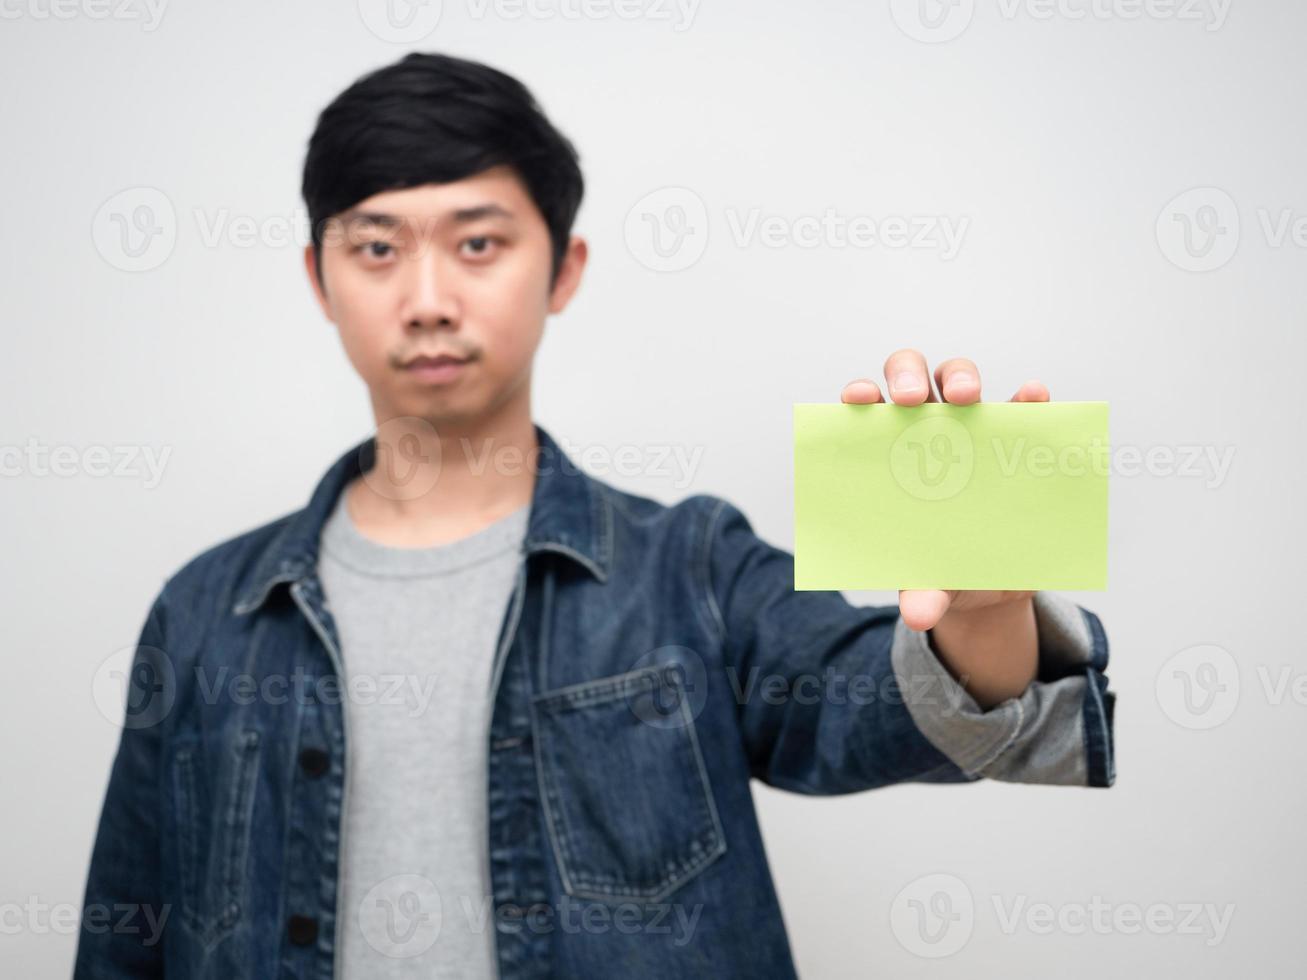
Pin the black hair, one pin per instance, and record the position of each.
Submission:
(432, 119)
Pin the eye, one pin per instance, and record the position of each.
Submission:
(479, 246)
(373, 252)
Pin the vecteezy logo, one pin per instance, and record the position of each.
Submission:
(404, 470)
(135, 687)
(1198, 688)
(667, 230)
(932, 459)
(1198, 231)
(933, 916)
(678, 678)
(136, 229)
(400, 916)
(932, 21)
(400, 21)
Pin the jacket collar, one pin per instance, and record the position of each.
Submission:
(570, 515)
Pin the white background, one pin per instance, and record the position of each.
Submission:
(1062, 141)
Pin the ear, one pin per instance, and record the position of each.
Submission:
(569, 274)
(310, 267)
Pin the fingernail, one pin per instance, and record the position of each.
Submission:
(963, 378)
(906, 383)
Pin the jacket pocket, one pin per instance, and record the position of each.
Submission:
(629, 806)
(213, 789)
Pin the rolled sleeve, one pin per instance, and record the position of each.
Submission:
(1058, 732)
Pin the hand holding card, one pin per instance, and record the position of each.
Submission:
(960, 505)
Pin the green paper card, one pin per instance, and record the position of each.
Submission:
(996, 495)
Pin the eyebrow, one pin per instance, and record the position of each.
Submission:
(460, 216)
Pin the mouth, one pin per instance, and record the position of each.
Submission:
(437, 368)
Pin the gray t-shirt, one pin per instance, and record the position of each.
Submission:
(418, 628)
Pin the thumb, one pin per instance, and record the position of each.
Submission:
(921, 609)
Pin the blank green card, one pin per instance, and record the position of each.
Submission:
(996, 495)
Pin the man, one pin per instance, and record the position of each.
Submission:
(472, 712)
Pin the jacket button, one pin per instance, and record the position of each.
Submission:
(314, 762)
(302, 929)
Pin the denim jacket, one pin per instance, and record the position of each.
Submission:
(652, 661)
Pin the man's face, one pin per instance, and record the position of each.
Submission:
(458, 272)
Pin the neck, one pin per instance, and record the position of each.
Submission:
(432, 484)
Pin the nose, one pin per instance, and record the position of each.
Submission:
(430, 300)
